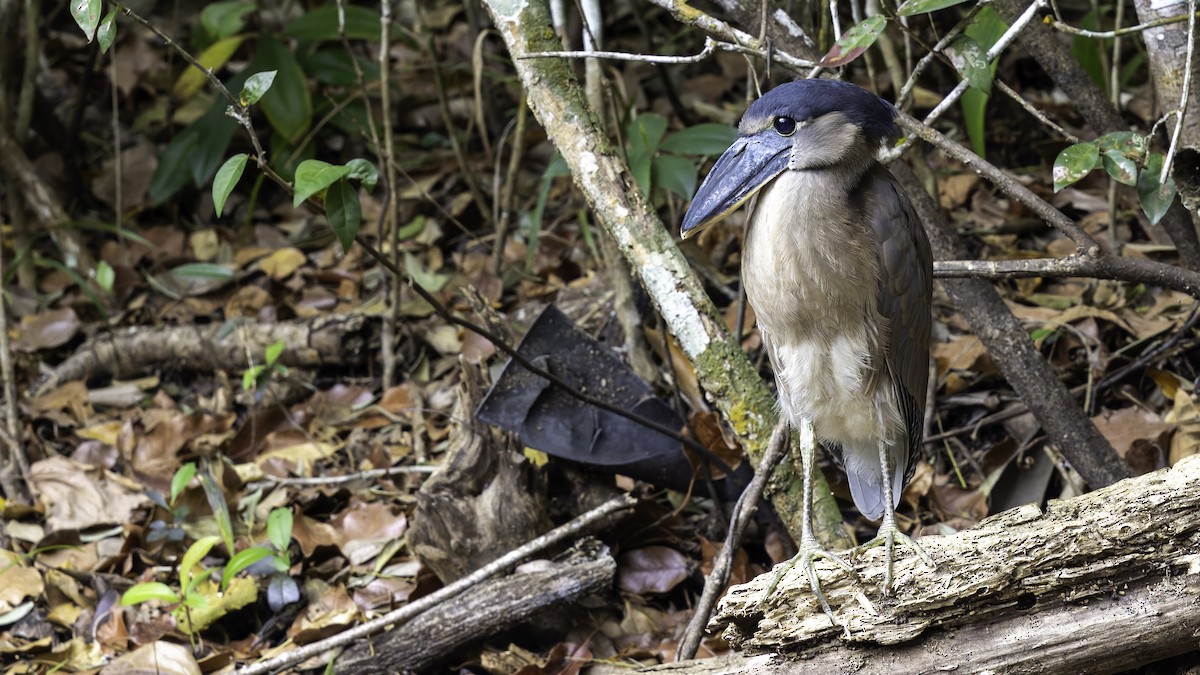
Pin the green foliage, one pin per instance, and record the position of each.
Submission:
(256, 85)
(854, 42)
(87, 14)
(1073, 163)
(985, 30)
(223, 19)
(322, 24)
(914, 7)
(179, 481)
(105, 276)
(173, 531)
(256, 376)
(658, 159)
(226, 179)
(1121, 153)
(341, 199)
(107, 32)
(1155, 196)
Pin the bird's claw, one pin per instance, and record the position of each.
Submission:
(809, 551)
(887, 537)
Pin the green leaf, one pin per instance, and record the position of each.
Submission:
(288, 105)
(676, 174)
(914, 7)
(179, 481)
(700, 139)
(344, 212)
(645, 133)
(1156, 197)
(1120, 167)
(222, 19)
(430, 281)
(279, 528)
(335, 66)
(220, 509)
(87, 14)
(313, 175)
(193, 154)
(191, 80)
(150, 590)
(1134, 146)
(274, 350)
(107, 31)
(985, 30)
(364, 172)
(854, 42)
(105, 276)
(1073, 163)
(226, 179)
(192, 557)
(640, 165)
(242, 560)
(256, 85)
(190, 597)
(203, 271)
(322, 24)
(971, 57)
(250, 377)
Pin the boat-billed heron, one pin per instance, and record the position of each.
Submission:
(838, 269)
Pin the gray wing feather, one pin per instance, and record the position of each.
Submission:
(905, 290)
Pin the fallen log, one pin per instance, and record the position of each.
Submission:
(1099, 583)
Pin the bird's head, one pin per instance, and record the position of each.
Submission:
(798, 126)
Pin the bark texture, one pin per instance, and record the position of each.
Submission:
(1114, 568)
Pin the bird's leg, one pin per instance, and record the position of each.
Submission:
(810, 548)
(889, 534)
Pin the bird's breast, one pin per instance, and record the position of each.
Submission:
(811, 274)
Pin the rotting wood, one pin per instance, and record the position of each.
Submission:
(321, 341)
(1144, 623)
(1121, 561)
(488, 609)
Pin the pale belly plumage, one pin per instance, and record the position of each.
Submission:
(813, 286)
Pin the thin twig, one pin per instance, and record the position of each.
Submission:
(746, 43)
(1104, 34)
(309, 481)
(1009, 35)
(411, 610)
(1187, 90)
(743, 511)
(1084, 241)
(709, 46)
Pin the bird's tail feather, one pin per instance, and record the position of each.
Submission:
(866, 479)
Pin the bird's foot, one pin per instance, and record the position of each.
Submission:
(809, 551)
(887, 537)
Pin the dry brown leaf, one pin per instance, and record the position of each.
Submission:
(963, 352)
(165, 658)
(1186, 415)
(367, 529)
(1126, 426)
(283, 263)
(331, 612)
(70, 397)
(47, 330)
(651, 569)
(77, 497)
(313, 534)
(18, 581)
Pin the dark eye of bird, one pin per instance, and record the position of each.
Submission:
(785, 126)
